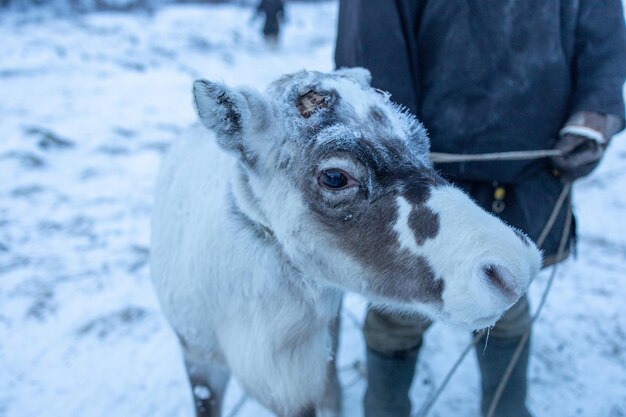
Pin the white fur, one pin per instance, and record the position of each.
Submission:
(362, 101)
(406, 237)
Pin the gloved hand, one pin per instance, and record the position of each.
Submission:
(583, 140)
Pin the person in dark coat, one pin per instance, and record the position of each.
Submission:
(274, 14)
(490, 76)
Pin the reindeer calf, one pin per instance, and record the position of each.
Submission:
(280, 201)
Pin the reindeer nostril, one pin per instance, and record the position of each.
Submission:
(497, 277)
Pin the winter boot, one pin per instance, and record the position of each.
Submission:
(389, 379)
(493, 364)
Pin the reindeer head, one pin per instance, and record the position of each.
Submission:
(341, 177)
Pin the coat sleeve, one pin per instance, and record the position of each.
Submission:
(599, 58)
(381, 36)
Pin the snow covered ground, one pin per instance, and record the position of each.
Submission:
(88, 105)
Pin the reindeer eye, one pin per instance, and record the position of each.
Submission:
(336, 179)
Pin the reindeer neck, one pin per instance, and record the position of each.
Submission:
(247, 204)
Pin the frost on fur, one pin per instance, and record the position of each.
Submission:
(283, 199)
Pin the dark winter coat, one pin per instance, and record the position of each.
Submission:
(493, 76)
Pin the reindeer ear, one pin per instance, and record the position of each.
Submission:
(231, 114)
(358, 74)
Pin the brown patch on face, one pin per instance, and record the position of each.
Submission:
(310, 102)
(414, 281)
(417, 192)
(417, 188)
(363, 223)
(397, 273)
(425, 224)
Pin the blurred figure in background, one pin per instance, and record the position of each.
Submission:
(490, 76)
(274, 12)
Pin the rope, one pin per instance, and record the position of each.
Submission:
(442, 158)
(559, 203)
(524, 339)
(507, 374)
(426, 407)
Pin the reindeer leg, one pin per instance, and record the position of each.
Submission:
(208, 383)
(307, 412)
(330, 406)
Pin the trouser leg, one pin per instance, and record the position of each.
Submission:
(494, 359)
(393, 343)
